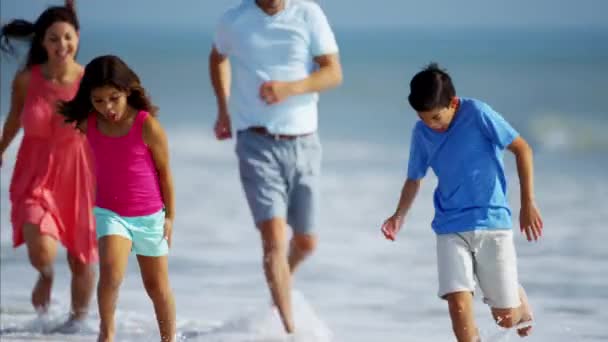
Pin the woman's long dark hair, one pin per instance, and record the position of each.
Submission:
(24, 30)
(101, 72)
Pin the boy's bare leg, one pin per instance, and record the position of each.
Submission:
(525, 313)
(510, 318)
(461, 312)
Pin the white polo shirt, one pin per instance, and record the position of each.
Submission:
(280, 48)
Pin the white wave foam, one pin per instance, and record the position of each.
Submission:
(556, 132)
(264, 325)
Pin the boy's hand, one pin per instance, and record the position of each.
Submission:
(391, 227)
(168, 230)
(530, 221)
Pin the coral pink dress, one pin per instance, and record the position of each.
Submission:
(53, 182)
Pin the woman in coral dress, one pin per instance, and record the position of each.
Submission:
(52, 187)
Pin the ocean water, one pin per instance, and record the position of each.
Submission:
(358, 287)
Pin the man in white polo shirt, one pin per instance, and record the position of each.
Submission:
(275, 56)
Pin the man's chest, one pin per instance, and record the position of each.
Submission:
(272, 43)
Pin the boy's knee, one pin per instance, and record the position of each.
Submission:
(506, 318)
(458, 302)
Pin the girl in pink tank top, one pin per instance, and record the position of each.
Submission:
(134, 204)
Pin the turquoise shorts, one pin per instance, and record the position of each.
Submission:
(145, 232)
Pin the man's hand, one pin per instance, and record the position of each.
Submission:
(273, 92)
(222, 128)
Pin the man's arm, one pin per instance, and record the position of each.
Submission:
(220, 73)
(327, 76)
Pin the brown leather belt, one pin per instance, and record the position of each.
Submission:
(263, 131)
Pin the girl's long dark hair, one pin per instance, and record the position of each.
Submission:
(101, 72)
(20, 29)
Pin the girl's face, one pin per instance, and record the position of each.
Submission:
(110, 103)
(61, 42)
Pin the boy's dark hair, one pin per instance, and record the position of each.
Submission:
(430, 89)
(101, 72)
(19, 29)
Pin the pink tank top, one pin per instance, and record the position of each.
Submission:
(127, 180)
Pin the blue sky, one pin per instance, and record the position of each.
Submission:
(344, 14)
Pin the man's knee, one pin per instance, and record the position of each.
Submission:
(273, 233)
(304, 244)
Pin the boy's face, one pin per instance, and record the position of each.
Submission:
(439, 119)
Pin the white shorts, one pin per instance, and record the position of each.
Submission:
(489, 256)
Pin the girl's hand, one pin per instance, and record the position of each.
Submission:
(391, 227)
(530, 222)
(168, 230)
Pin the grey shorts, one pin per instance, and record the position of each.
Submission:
(281, 178)
(486, 255)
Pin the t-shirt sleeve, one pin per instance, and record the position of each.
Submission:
(221, 39)
(322, 40)
(496, 128)
(418, 163)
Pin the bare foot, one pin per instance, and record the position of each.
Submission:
(41, 294)
(72, 326)
(526, 315)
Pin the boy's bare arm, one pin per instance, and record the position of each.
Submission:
(393, 224)
(529, 219)
(523, 157)
(408, 194)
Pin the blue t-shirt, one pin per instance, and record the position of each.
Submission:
(472, 191)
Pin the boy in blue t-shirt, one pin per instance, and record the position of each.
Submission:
(463, 140)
